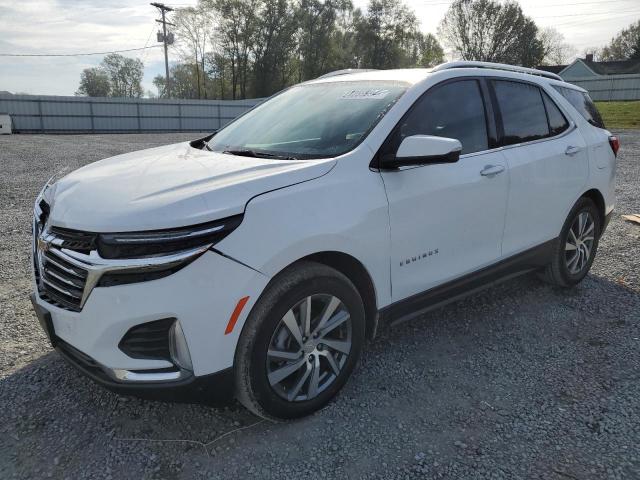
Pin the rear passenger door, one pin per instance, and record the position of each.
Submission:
(548, 163)
(446, 219)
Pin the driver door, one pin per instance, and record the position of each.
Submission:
(446, 219)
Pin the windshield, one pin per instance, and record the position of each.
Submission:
(310, 121)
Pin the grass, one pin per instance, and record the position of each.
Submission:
(620, 114)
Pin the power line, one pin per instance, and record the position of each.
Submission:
(585, 14)
(535, 17)
(556, 5)
(74, 54)
(144, 54)
(581, 3)
(579, 23)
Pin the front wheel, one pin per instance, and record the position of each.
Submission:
(577, 245)
(300, 343)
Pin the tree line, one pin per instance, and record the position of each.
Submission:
(234, 49)
(625, 45)
(253, 48)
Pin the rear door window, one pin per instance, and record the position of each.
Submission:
(582, 102)
(524, 118)
(557, 121)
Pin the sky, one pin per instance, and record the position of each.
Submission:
(80, 26)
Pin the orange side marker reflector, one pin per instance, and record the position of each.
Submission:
(236, 313)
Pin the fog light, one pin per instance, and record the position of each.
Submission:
(178, 347)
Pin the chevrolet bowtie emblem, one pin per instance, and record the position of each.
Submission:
(43, 245)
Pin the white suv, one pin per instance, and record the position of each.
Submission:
(258, 260)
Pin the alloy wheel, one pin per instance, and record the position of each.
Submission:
(309, 347)
(579, 244)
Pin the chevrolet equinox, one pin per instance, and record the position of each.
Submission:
(258, 259)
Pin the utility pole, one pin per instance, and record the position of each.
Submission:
(167, 40)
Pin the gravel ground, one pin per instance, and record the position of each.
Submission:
(520, 381)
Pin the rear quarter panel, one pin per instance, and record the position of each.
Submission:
(602, 161)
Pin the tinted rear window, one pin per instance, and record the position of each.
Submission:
(523, 114)
(557, 122)
(582, 102)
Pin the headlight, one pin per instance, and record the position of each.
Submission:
(159, 242)
(43, 201)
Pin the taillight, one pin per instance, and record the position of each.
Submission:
(615, 144)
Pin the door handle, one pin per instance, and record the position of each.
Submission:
(491, 170)
(571, 150)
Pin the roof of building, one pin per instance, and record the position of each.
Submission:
(620, 67)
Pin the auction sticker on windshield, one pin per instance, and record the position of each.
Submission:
(374, 93)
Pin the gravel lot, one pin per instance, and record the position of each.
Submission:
(520, 381)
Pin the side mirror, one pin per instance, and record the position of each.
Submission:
(422, 150)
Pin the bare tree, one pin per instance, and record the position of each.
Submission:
(489, 31)
(556, 49)
(194, 27)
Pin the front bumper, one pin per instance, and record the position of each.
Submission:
(216, 388)
(201, 296)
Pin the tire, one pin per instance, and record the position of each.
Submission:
(267, 337)
(562, 271)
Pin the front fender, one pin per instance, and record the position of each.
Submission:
(344, 211)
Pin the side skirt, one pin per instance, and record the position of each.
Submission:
(469, 284)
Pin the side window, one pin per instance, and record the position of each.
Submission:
(582, 102)
(557, 122)
(523, 115)
(453, 110)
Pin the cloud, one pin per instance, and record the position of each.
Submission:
(71, 26)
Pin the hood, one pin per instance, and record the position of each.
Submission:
(172, 186)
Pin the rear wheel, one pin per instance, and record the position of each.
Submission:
(577, 245)
(300, 343)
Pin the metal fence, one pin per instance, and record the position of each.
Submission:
(610, 87)
(53, 114)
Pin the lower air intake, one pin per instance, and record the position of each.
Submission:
(148, 340)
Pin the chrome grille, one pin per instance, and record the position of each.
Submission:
(59, 281)
(67, 265)
(62, 281)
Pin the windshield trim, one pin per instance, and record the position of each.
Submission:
(311, 156)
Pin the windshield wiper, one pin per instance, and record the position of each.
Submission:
(245, 152)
